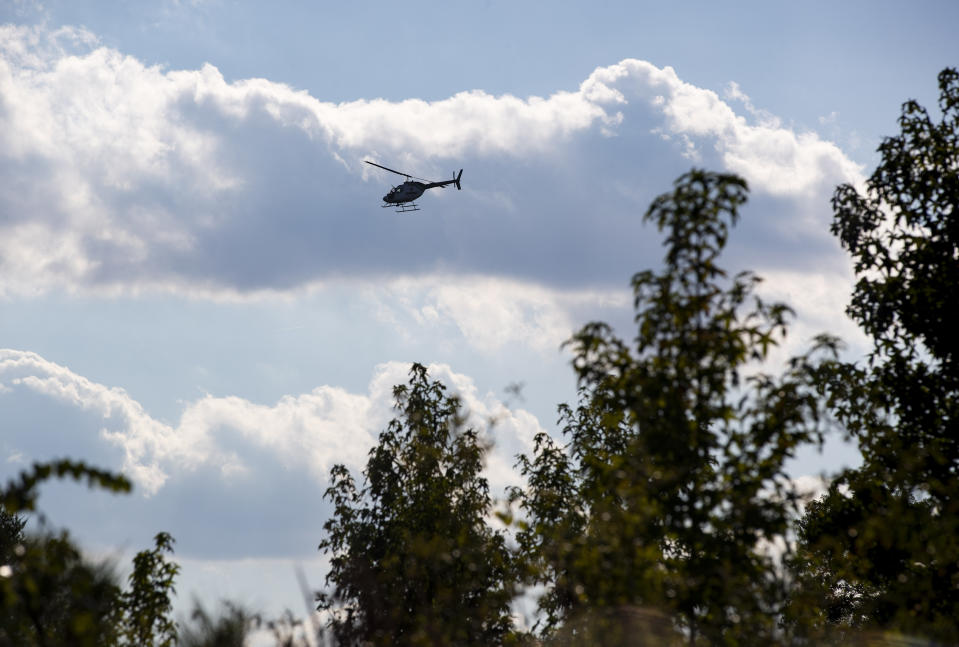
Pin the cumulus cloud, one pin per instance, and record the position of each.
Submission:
(819, 299)
(772, 158)
(490, 313)
(118, 176)
(29, 371)
(233, 439)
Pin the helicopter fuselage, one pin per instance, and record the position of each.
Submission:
(411, 190)
(406, 192)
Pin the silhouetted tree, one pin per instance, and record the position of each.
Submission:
(880, 548)
(51, 596)
(147, 605)
(11, 534)
(413, 560)
(671, 485)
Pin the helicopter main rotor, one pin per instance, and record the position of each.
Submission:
(406, 175)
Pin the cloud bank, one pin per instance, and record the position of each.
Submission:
(119, 177)
(309, 432)
(226, 457)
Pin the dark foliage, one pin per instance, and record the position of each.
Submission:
(50, 595)
(147, 605)
(672, 480)
(413, 560)
(881, 549)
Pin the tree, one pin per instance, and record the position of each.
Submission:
(11, 534)
(55, 597)
(880, 549)
(671, 481)
(50, 595)
(413, 560)
(147, 606)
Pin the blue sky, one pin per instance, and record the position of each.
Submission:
(199, 287)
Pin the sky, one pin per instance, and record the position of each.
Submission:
(199, 287)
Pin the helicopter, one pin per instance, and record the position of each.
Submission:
(401, 197)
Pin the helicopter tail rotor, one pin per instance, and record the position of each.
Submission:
(456, 180)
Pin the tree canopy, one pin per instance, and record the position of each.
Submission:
(880, 549)
(672, 482)
(413, 559)
(50, 595)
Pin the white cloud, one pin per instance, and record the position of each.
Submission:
(149, 440)
(819, 300)
(810, 486)
(829, 119)
(119, 176)
(772, 158)
(491, 313)
(232, 437)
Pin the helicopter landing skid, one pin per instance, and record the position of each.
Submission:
(402, 208)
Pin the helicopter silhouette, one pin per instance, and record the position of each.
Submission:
(401, 197)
